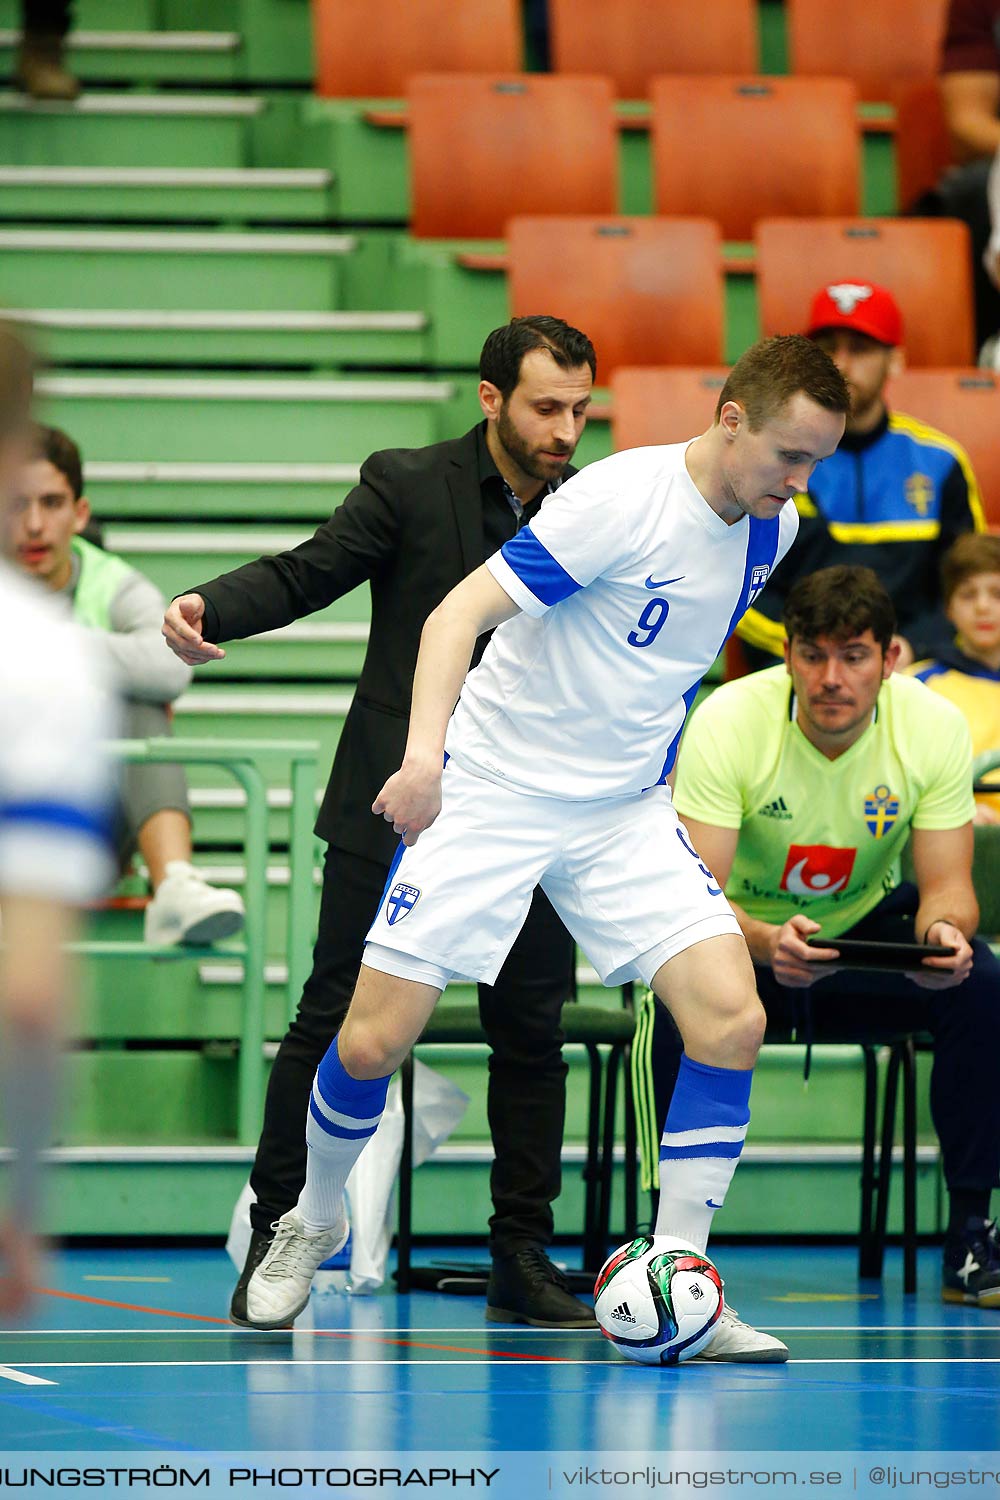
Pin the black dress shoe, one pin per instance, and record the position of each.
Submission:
(527, 1288)
(260, 1244)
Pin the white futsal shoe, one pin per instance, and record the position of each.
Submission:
(735, 1342)
(279, 1288)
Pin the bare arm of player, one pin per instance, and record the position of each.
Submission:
(782, 948)
(948, 912)
(411, 798)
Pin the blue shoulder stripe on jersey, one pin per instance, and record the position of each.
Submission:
(933, 669)
(537, 569)
(762, 548)
(93, 822)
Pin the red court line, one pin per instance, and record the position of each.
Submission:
(323, 1333)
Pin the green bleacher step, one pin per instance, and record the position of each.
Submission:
(131, 130)
(154, 193)
(113, 924)
(182, 491)
(212, 419)
(144, 56)
(176, 557)
(126, 1190)
(323, 339)
(276, 34)
(219, 814)
(312, 648)
(306, 712)
(97, 15)
(154, 274)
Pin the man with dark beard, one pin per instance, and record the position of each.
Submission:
(418, 522)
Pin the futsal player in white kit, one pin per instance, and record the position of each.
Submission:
(607, 611)
(56, 796)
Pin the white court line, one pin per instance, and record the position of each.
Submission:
(6, 1373)
(351, 1363)
(494, 1330)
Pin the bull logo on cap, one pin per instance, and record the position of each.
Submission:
(847, 295)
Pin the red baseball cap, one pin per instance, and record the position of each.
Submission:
(859, 305)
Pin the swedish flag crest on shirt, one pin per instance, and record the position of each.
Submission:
(881, 811)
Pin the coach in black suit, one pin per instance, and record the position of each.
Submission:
(417, 523)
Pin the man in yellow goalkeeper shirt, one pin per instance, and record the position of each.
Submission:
(799, 787)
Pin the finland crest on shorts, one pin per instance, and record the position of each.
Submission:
(400, 902)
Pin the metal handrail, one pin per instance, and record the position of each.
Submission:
(244, 759)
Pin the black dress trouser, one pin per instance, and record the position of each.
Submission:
(861, 1005)
(527, 1076)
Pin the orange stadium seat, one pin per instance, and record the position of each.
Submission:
(484, 147)
(648, 291)
(925, 263)
(370, 48)
(964, 405)
(874, 42)
(738, 149)
(923, 145)
(650, 406)
(635, 40)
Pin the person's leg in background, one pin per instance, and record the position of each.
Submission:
(657, 1050)
(157, 820)
(965, 1108)
(41, 71)
(965, 1102)
(527, 1108)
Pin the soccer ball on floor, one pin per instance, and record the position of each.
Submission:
(658, 1300)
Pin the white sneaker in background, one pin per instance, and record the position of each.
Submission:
(735, 1342)
(186, 909)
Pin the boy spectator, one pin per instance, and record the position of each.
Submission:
(121, 610)
(968, 671)
(893, 497)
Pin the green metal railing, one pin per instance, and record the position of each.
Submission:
(244, 760)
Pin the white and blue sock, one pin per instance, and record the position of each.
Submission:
(343, 1115)
(702, 1139)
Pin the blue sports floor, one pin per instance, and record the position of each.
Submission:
(127, 1355)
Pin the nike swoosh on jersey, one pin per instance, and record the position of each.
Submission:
(710, 1204)
(652, 583)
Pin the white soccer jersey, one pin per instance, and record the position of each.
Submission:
(588, 699)
(56, 786)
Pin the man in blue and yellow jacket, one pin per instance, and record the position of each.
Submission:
(893, 497)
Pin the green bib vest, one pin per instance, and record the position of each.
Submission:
(101, 576)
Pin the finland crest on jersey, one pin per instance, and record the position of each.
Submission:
(400, 902)
(587, 699)
(758, 577)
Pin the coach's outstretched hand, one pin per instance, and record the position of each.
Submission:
(182, 631)
(410, 800)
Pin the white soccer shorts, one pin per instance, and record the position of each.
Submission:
(621, 873)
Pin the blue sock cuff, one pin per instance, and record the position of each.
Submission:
(705, 1096)
(360, 1097)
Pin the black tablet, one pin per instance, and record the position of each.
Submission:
(859, 953)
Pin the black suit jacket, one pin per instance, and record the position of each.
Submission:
(413, 527)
